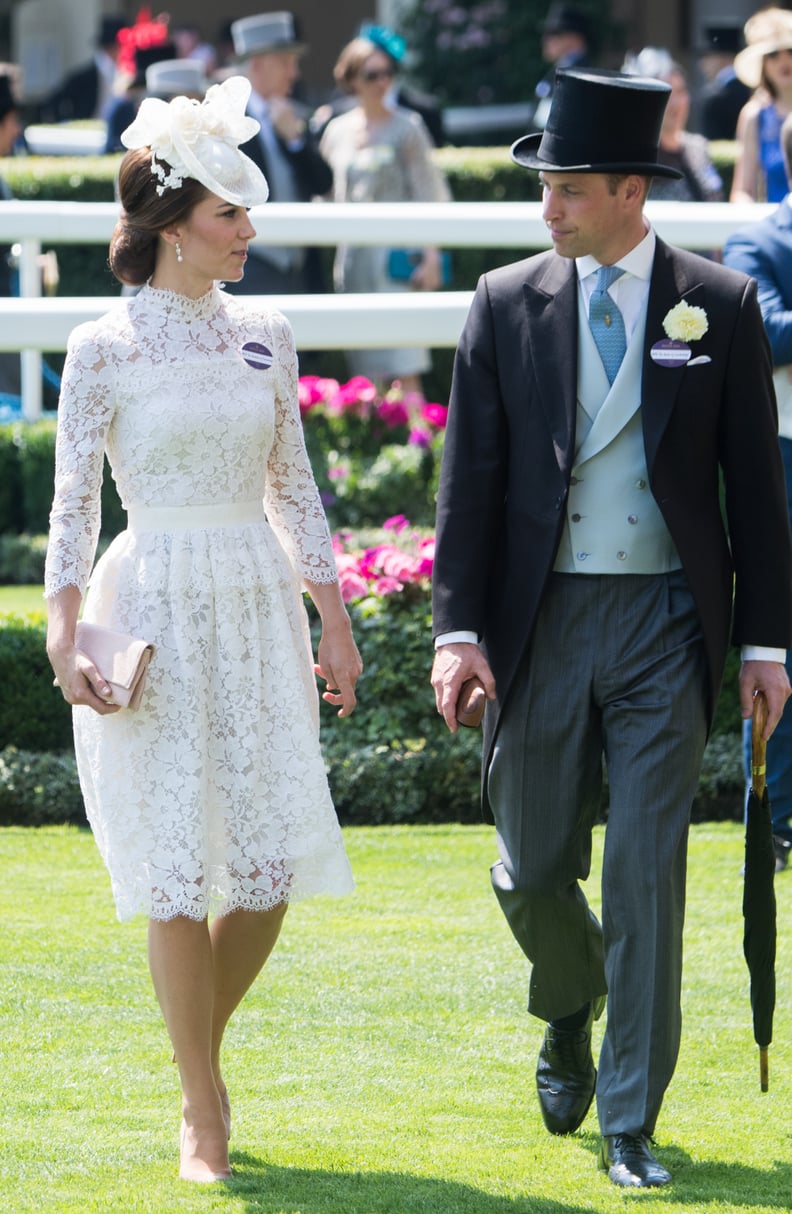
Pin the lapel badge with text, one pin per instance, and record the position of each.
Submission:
(670, 353)
(257, 356)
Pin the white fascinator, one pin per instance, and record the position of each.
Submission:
(200, 139)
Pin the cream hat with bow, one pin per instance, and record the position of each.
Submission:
(200, 139)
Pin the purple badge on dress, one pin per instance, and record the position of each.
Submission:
(257, 356)
(670, 353)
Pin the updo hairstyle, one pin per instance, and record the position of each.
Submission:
(135, 239)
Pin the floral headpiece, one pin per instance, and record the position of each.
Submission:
(200, 139)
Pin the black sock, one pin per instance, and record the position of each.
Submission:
(570, 1024)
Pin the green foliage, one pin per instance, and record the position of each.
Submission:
(484, 52)
(418, 782)
(27, 455)
(365, 490)
(83, 269)
(39, 788)
(33, 714)
(22, 559)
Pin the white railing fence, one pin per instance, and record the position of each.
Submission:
(31, 324)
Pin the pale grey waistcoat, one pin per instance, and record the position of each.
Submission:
(613, 524)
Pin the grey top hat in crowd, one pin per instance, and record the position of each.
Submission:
(265, 32)
(176, 77)
(599, 122)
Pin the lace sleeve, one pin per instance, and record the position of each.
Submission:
(291, 499)
(85, 411)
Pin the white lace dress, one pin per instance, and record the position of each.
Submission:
(213, 795)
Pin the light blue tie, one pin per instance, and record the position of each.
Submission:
(607, 323)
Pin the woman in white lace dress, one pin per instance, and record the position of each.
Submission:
(211, 798)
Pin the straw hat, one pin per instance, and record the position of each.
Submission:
(767, 31)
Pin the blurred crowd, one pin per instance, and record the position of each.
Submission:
(372, 137)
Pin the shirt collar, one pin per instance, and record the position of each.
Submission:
(637, 262)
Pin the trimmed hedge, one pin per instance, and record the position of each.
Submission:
(27, 460)
(391, 761)
(33, 714)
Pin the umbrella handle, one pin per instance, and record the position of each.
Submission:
(764, 1069)
(758, 744)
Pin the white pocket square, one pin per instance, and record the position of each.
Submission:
(699, 362)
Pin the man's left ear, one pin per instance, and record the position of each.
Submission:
(636, 189)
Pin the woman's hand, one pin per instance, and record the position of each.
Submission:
(339, 664)
(427, 274)
(79, 680)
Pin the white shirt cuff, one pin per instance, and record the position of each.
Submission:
(761, 653)
(454, 638)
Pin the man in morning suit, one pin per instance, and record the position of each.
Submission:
(764, 250)
(583, 574)
(284, 149)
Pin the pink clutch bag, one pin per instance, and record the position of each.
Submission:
(122, 660)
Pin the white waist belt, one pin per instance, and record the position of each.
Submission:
(186, 518)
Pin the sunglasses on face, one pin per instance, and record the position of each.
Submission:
(377, 73)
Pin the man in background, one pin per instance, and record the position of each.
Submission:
(87, 92)
(764, 250)
(566, 41)
(724, 95)
(284, 149)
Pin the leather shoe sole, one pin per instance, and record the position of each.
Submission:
(629, 1162)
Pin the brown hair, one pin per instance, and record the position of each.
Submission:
(350, 62)
(134, 243)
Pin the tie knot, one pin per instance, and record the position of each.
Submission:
(605, 276)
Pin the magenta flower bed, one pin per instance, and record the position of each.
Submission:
(404, 559)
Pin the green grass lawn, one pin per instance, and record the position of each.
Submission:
(383, 1063)
(20, 599)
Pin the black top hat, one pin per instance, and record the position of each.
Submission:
(107, 34)
(599, 122)
(722, 40)
(566, 19)
(147, 56)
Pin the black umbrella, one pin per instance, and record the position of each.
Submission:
(759, 905)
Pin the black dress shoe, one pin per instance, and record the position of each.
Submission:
(629, 1162)
(781, 847)
(566, 1076)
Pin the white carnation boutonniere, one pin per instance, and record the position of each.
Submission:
(683, 323)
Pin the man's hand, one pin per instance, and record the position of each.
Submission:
(771, 678)
(453, 665)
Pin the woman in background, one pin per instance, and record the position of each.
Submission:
(380, 152)
(679, 148)
(765, 65)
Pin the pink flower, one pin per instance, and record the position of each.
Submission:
(436, 415)
(352, 585)
(393, 413)
(315, 388)
(419, 437)
(397, 523)
(387, 585)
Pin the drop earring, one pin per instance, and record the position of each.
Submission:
(179, 257)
